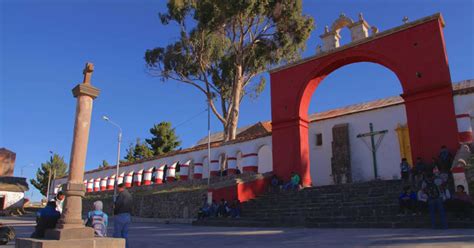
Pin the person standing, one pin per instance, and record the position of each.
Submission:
(445, 159)
(435, 202)
(419, 171)
(122, 212)
(405, 169)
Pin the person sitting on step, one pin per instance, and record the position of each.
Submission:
(275, 184)
(235, 209)
(407, 201)
(419, 171)
(205, 210)
(223, 209)
(422, 201)
(294, 182)
(461, 203)
(46, 218)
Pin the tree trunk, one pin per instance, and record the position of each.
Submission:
(230, 129)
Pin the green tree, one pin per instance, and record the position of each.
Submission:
(104, 164)
(56, 166)
(164, 138)
(224, 45)
(138, 151)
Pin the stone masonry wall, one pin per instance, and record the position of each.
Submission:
(175, 205)
(176, 200)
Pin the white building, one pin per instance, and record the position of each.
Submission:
(252, 150)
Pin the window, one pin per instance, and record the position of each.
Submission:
(319, 139)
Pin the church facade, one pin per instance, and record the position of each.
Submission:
(334, 158)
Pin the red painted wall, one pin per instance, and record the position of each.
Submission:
(242, 191)
(416, 55)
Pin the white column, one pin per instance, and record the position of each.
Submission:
(138, 178)
(464, 128)
(147, 176)
(184, 170)
(90, 185)
(111, 182)
(198, 170)
(171, 174)
(97, 184)
(103, 183)
(159, 174)
(128, 179)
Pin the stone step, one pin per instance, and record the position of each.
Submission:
(370, 204)
(334, 223)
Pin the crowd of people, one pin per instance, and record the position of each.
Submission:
(222, 210)
(428, 190)
(234, 210)
(48, 217)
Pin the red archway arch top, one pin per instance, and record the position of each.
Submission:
(415, 52)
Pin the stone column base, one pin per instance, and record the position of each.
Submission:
(69, 233)
(71, 243)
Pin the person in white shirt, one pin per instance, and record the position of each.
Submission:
(59, 199)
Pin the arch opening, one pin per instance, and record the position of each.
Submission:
(265, 159)
(342, 107)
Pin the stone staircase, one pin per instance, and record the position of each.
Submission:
(358, 205)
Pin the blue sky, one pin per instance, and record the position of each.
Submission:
(45, 44)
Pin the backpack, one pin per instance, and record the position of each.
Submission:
(432, 190)
(97, 222)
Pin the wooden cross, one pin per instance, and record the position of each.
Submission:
(374, 146)
(88, 73)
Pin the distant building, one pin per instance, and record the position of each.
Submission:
(12, 189)
(7, 162)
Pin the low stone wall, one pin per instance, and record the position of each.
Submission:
(179, 204)
(176, 200)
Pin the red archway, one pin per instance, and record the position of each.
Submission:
(415, 52)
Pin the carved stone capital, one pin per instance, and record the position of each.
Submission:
(75, 189)
(85, 89)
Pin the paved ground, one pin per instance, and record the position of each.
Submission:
(144, 235)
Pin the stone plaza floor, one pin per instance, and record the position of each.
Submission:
(144, 235)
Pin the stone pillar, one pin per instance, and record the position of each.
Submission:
(70, 225)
